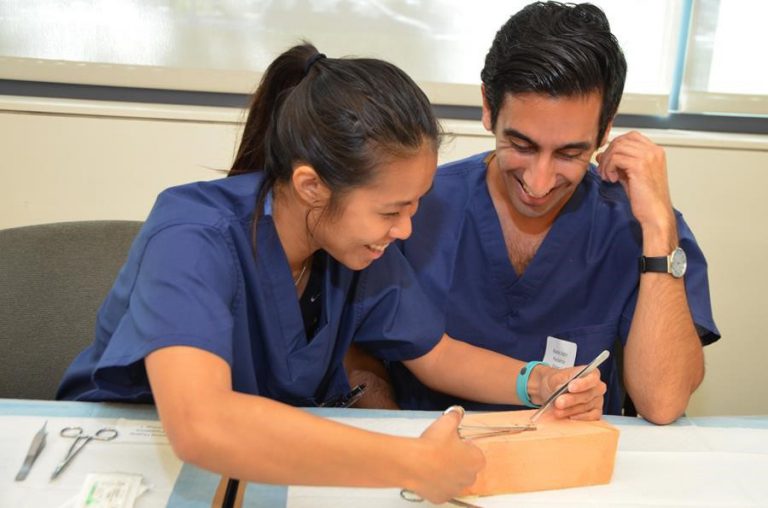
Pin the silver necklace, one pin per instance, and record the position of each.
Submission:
(301, 274)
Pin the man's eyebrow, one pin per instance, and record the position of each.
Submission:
(580, 145)
(576, 145)
(512, 133)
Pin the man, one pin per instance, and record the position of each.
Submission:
(532, 252)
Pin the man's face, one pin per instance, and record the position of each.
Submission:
(543, 148)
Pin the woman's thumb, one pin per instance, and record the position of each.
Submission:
(447, 424)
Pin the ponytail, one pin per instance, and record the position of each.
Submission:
(282, 75)
(343, 117)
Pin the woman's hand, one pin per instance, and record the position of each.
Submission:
(448, 464)
(582, 401)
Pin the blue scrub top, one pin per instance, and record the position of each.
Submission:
(581, 285)
(193, 278)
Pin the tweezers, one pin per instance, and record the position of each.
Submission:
(35, 447)
(564, 387)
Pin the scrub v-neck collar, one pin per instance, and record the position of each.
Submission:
(551, 251)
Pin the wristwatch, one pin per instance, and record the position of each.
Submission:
(674, 264)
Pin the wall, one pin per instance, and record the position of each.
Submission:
(76, 160)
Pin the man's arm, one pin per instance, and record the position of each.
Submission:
(663, 357)
(362, 368)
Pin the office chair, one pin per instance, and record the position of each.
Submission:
(53, 278)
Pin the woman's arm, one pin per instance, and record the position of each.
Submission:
(474, 373)
(256, 439)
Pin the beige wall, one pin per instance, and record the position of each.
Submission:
(71, 160)
(722, 195)
(60, 167)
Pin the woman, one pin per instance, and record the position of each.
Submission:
(240, 295)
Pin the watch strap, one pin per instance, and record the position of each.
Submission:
(654, 264)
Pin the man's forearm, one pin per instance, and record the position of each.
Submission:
(663, 358)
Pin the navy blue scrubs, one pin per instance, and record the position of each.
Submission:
(193, 278)
(581, 285)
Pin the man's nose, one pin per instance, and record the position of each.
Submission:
(539, 178)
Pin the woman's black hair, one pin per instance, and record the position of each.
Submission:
(556, 49)
(343, 117)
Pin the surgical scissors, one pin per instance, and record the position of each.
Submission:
(413, 497)
(81, 439)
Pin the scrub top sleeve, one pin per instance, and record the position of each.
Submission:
(394, 318)
(696, 289)
(697, 285)
(183, 294)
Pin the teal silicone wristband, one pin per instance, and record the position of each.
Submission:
(522, 383)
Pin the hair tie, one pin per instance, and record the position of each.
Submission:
(311, 61)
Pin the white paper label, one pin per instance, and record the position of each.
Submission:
(560, 353)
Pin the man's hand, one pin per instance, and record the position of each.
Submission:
(641, 167)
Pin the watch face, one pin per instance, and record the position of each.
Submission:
(678, 263)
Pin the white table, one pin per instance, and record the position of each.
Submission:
(696, 462)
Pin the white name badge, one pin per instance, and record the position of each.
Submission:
(560, 353)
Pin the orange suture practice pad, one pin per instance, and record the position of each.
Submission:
(557, 455)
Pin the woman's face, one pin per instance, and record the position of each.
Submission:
(373, 216)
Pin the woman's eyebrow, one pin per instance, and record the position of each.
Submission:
(410, 201)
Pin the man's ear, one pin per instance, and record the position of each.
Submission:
(486, 111)
(606, 134)
(309, 187)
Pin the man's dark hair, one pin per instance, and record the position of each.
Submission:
(556, 49)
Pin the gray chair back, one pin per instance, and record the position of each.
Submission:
(53, 278)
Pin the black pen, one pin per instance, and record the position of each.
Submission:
(348, 399)
(354, 395)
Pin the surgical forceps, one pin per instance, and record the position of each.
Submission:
(413, 497)
(81, 439)
(475, 432)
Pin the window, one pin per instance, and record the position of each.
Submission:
(726, 70)
(686, 57)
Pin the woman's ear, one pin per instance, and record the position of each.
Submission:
(309, 187)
